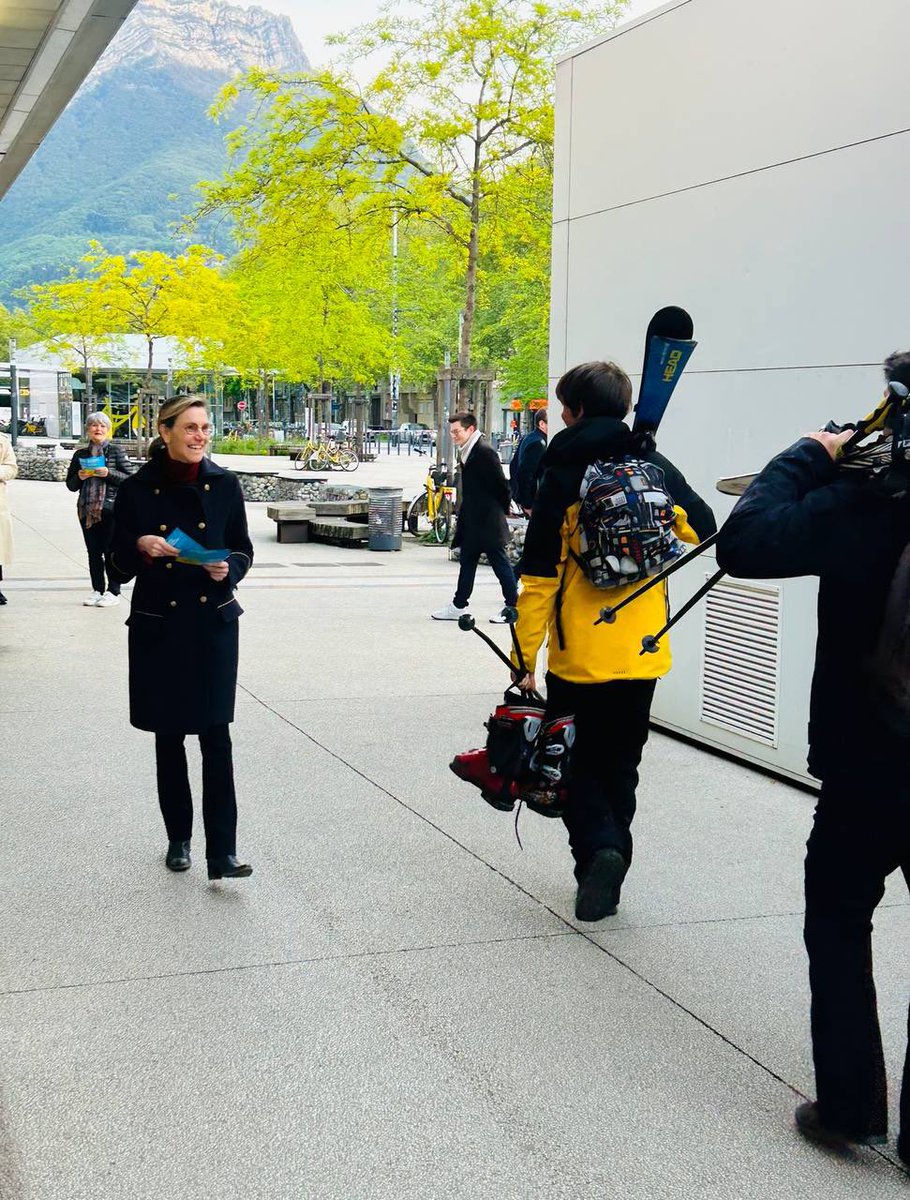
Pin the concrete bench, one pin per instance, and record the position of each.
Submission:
(294, 520)
(337, 531)
(341, 508)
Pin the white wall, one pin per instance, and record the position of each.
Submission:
(749, 160)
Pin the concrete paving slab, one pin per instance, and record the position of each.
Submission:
(513, 1071)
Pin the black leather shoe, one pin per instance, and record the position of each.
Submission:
(2, 598)
(228, 867)
(178, 856)
(810, 1124)
(598, 888)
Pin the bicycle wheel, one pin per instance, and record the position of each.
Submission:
(299, 461)
(317, 461)
(441, 522)
(349, 460)
(417, 518)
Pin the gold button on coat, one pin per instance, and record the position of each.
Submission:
(203, 599)
(206, 487)
(168, 565)
(202, 524)
(157, 491)
(173, 604)
(162, 528)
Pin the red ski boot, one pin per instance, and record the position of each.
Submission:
(474, 767)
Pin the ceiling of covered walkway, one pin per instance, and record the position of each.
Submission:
(47, 47)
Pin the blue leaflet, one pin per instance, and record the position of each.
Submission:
(92, 463)
(191, 552)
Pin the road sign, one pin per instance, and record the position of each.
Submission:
(241, 406)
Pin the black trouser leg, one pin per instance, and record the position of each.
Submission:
(98, 541)
(174, 794)
(503, 571)
(467, 569)
(95, 547)
(611, 728)
(857, 840)
(219, 801)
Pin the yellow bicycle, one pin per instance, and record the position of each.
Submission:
(324, 456)
(431, 510)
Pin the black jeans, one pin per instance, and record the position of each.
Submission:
(611, 728)
(219, 801)
(860, 836)
(502, 569)
(98, 545)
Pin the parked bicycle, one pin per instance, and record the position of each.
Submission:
(431, 510)
(326, 456)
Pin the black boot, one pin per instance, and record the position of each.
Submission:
(228, 867)
(178, 856)
(598, 887)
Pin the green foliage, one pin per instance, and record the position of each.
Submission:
(245, 445)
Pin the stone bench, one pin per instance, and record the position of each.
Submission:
(337, 531)
(293, 520)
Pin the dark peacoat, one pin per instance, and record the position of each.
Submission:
(485, 501)
(183, 626)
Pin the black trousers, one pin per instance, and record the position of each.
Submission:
(219, 801)
(502, 569)
(98, 544)
(611, 728)
(860, 836)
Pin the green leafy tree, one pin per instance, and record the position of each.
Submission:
(465, 97)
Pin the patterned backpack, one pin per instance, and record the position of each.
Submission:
(625, 523)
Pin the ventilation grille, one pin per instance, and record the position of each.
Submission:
(741, 660)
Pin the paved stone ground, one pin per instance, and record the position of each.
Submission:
(399, 1003)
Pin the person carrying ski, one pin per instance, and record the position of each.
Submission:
(595, 672)
(803, 515)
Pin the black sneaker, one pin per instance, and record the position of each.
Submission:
(598, 888)
(809, 1122)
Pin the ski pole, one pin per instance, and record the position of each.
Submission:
(608, 615)
(649, 643)
(510, 612)
(467, 623)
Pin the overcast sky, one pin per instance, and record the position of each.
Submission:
(315, 19)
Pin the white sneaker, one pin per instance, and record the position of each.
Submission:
(499, 618)
(92, 600)
(449, 613)
(108, 600)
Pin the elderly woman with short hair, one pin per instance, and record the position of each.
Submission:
(97, 488)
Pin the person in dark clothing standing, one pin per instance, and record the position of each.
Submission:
(524, 469)
(595, 673)
(97, 490)
(803, 515)
(183, 625)
(482, 527)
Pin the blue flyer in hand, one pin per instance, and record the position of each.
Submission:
(92, 463)
(191, 552)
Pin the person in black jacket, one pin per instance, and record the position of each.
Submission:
(183, 625)
(804, 516)
(524, 469)
(482, 527)
(95, 507)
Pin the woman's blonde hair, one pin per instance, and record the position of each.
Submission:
(170, 410)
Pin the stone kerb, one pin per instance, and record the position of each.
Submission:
(267, 487)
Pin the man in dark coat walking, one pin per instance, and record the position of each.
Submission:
(525, 467)
(482, 526)
(804, 516)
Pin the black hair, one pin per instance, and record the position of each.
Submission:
(596, 389)
(540, 415)
(897, 367)
(464, 419)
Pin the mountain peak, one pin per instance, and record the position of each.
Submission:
(203, 35)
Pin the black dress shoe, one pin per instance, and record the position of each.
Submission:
(228, 867)
(178, 856)
(811, 1125)
(598, 888)
(2, 598)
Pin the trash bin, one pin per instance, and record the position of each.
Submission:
(385, 519)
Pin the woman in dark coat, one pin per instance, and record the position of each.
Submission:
(183, 632)
(95, 507)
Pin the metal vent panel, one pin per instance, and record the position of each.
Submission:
(741, 660)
